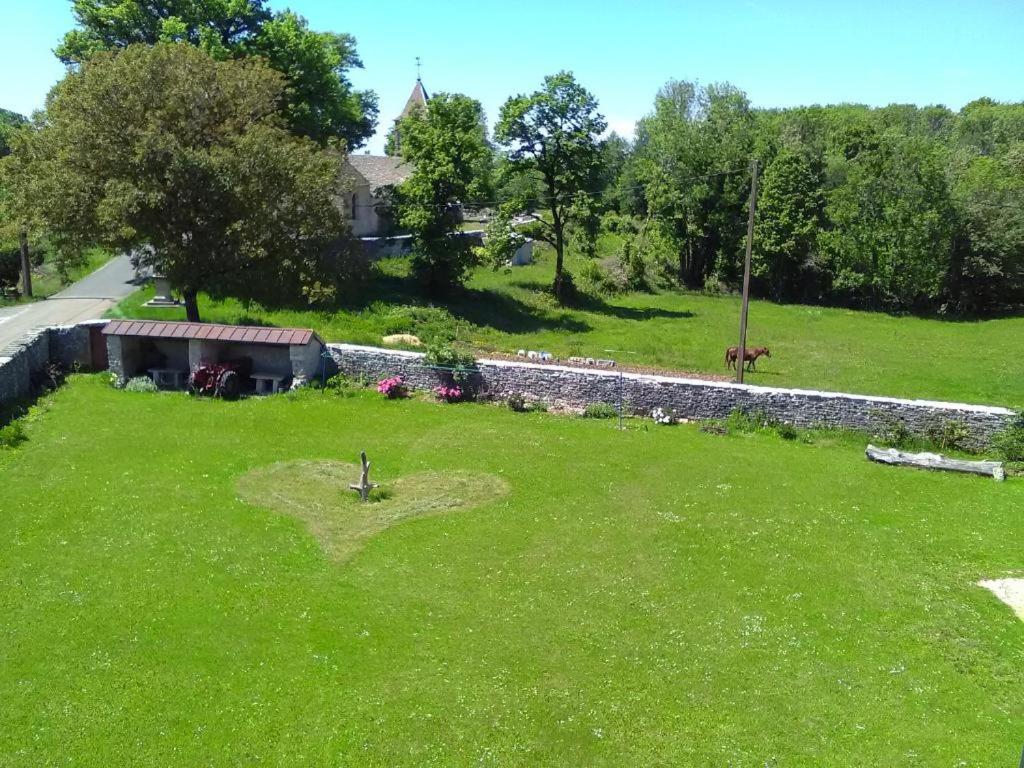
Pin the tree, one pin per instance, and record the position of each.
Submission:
(14, 237)
(790, 213)
(987, 273)
(446, 144)
(891, 234)
(185, 161)
(9, 122)
(320, 101)
(692, 153)
(552, 135)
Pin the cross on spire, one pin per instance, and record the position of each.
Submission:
(418, 62)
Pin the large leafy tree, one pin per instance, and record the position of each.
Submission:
(446, 145)
(790, 214)
(320, 101)
(988, 261)
(184, 160)
(891, 236)
(691, 155)
(13, 231)
(552, 138)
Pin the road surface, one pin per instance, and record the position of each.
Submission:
(87, 299)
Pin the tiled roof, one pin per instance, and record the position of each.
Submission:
(380, 170)
(209, 332)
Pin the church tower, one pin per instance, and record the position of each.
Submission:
(417, 100)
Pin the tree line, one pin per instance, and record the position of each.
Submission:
(897, 208)
(206, 138)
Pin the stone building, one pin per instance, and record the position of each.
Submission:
(370, 175)
(367, 205)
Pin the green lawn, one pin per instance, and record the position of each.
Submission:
(863, 352)
(650, 597)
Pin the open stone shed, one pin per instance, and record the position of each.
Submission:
(140, 347)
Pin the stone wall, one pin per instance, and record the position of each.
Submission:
(22, 362)
(689, 398)
(69, 344)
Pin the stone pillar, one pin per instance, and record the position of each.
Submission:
(115, 357)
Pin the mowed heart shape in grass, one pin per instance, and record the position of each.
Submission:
(318, 494)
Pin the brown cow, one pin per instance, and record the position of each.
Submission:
(750, 356)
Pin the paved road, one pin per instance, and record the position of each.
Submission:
(87, 299)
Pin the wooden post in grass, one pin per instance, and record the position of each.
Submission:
(365, 486)
(741, 353)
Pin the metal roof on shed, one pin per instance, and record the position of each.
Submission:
(158, 329)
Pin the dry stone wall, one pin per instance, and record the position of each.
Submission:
(689, 398)
(22, 361)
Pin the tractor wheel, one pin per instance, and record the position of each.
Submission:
(229, 386)
(191, 387)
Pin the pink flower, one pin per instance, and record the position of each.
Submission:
(392, 387)
(448, 394)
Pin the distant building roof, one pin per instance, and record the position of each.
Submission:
(380, 170)
(209, 332)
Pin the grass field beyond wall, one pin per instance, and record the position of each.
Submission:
(656, 596)
(812, 347)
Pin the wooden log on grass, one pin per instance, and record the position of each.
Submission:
(935, 461)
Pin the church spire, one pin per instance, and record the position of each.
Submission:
(418, 98)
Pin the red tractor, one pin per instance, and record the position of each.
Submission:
(222, 380)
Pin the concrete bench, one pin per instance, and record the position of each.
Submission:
(267, 383)
(168, 378)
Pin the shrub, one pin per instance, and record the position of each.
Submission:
(448, 394)
(661, 416)
(600, 411)
(890, 430)
(393, 387)
(948, 434)
(344, 386)
(518, 403)
(1009, 443)
(444, 356)
(140, 384)
(786, 431)
(595, 278)
(634, 268)
(745, 420)
(12, 435)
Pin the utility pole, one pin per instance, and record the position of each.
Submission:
(741, 352)
(26, 266)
